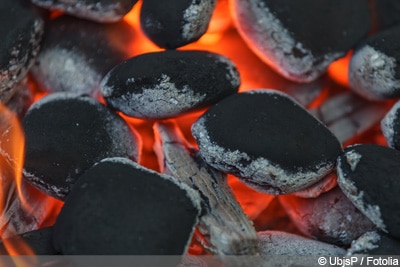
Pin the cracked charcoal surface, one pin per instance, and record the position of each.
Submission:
(40, 241)
(76, 54)
(175, 23)
(368, 176)
(104, 11)
(331, 217)
(390, 126)
(300, 39)
(374, 243)
(253, 136)
(65, 135)
(281, 243)
(119, 207)
(146, 86)
(373, 70)
(21, 30)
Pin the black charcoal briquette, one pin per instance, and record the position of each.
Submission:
(65, 135)
(21, 31)
(175, 23)
(331, 217)
(39, 241)
(282, 243)
(267, 140)
(77, 53)
(300, 39)
(120, 208)
(96, 10)
(167, 84)
(390, 126)
(369, 176)
(373, 69)
(374, 243)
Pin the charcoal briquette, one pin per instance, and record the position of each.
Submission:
(368, 176)
(65, 135)
(299, 39)
(374, 243)
(120, 208)
(167, 84)
(175, 23)
(373, 69)
(390, 126)
(282, 243)
(21, 31)
(330, 217)
(103, 11)
(39, 241)
(77, 53)
(267, 140)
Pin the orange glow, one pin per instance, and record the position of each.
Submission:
(339, 69)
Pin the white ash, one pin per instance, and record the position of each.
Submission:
(372, 74)
(281, 243)
(95, 11)
(353, 158)
(322, 186)
(17, 67)
(274, 44)
(194, 16)
(232, 75)
(38, 182)
(61, 70)
(387, 124)
(261, 174)
(162, 100)
(192, 194)
(348, 187)
(367, 241)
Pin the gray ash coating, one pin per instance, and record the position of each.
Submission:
(104, 11)
(299, 39)
(77, 53)
(390, 126)
(21, 31)
(174, 23)
(118, 207)
(65, 135)
(147, 86)
(281, 243)
(253, 136)
(374, 243)
(368, 176)
(373, 70)
(330, 217)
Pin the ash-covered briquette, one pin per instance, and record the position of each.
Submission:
(368, 174)
(299, 39)
(39, 241)
(331, 217)
(174, 23)
(21, 31)
(282, 243)
(373, 69)
(374, 243)
(118, 207)
(167, 84)
(390, 126)
(77, 53)
(65, 135)
(103, 11)
(267, 140)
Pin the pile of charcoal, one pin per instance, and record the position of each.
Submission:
(339, 192)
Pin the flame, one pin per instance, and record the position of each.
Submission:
(339, 69)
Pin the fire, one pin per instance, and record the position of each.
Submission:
(221, 38)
